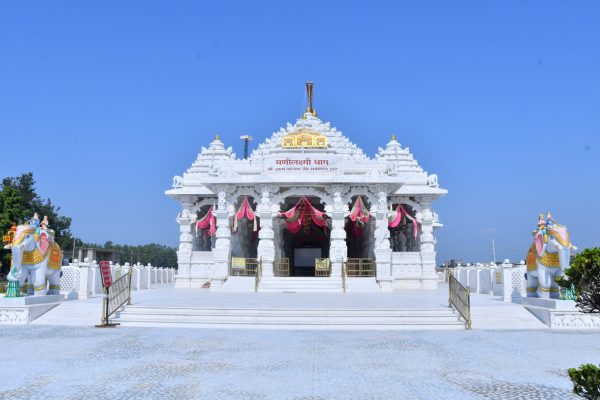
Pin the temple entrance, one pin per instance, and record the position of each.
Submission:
(405, 231)
(305, 236)
(244, 229)
(204, 229)
(360, 239)
(360, 230)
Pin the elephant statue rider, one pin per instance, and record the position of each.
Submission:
(36, 257)
(548, 257)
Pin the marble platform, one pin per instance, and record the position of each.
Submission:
(23, 310)
(561, 314)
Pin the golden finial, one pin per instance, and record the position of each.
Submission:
(393, 137)
(217, 137)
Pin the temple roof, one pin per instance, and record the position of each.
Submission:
(309, 152)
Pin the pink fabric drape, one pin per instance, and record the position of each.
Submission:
(245, 210)
(359, 212)
(207, 223)
(359, 216)
(298, 216)
(395, 219)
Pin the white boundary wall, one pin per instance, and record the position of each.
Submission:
(506, 280)
(80, 280)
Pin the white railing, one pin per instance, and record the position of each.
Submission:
(506, 280)
(81, 280)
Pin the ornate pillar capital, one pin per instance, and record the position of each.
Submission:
(265, 202)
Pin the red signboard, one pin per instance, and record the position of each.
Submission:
(105, 273)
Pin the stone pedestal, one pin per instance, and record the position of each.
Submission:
(23, 310)
(561, 314)
(383, 260)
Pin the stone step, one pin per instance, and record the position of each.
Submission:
(299, 326)
(286, 312)
(290, 318)
(283, 289)
(301, 278)
(300, 284)
(285, 320)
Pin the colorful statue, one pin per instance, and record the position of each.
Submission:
(35, 257)
(45, 223)
(35, 221)
(548, 257)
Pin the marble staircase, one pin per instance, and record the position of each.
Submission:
(299, 284)
(289, 318)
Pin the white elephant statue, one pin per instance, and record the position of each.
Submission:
(548, 257)
(36, 257)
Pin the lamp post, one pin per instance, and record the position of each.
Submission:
(246, 139)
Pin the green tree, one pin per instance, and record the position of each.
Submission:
(584, 275)
(586, 381)
(155, 254)
(19, 201)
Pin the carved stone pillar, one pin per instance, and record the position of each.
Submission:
(429, 276)
(266, 245)
(338, 249)
(185, 219)
(383, 249)
(222, 250)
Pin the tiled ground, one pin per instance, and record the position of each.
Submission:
(61, 362)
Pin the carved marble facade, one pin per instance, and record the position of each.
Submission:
(332, 176)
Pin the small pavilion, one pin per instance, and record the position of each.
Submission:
(308, 209)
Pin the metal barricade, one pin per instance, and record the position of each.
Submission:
(241, 266)
(116, 296)
(360, 267)
(281, 267)
(322, 267)
(459, 297)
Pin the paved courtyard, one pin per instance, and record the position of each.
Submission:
(60, 362)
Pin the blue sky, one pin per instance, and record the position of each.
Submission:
(105, 101)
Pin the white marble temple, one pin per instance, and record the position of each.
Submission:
(331, 171)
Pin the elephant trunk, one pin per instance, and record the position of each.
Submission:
(17, 258)
(564, 255)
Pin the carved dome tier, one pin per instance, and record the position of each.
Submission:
(334, 141)
(309, 152)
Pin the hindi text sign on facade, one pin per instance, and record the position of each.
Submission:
(302, 164)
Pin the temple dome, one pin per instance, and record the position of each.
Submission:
(337, 143)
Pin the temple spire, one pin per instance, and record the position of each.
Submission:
(309, 94)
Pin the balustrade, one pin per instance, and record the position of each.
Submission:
(80, 280)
